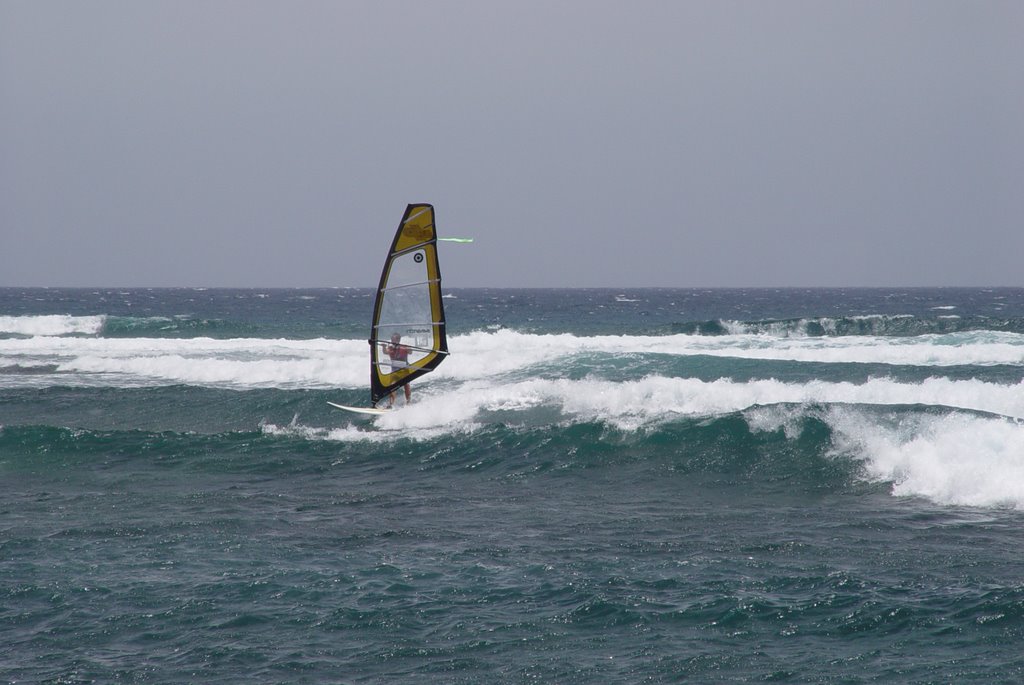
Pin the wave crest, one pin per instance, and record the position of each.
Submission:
(51, 325)
(879, 325)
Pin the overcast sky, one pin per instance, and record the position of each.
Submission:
(581, 143)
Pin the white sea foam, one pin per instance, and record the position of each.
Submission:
(49, 325)
(506, 349)
(951, 459)
(656, 398)
(415, 422)
(322, 363)
(236, 363)
(650, 401)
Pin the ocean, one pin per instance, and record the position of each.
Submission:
(597, 486)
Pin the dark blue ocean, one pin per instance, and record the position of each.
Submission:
(598, 486)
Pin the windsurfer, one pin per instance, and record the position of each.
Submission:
(399, 355)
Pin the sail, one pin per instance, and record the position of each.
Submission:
(408, 305)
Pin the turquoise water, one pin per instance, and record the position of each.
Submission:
(599, 486)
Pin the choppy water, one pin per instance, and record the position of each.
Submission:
(598, 486)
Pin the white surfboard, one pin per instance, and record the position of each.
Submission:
(360, 410)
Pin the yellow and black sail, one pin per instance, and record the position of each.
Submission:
(408, 311)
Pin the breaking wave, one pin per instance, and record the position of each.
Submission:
(504, 355)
